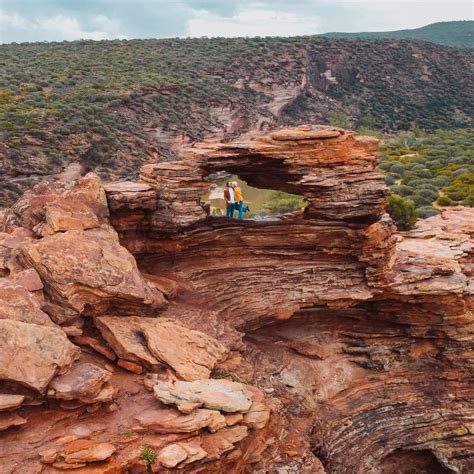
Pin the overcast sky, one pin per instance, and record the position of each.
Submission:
(57, 20)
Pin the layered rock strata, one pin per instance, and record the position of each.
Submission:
(320, 341)
(69, 281)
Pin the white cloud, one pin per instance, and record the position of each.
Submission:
(63, 27)
(255, 21)
(14, 20)
(68, 28)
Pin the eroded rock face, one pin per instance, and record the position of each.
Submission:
(317, 342)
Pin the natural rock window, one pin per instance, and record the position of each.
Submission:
(263, 203)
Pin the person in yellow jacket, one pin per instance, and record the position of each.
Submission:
(239, 200)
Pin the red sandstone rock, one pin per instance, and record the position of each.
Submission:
(172, 421)
(130, 366)
(7, 402)
(197, 354)
(84, 382)
(8, 420)
(363, 338)
(18, 304)
(32, 355)
(214, 394)
(181, 453)
(129, 195)
(96, 345)
(88, 271)
(78, 454)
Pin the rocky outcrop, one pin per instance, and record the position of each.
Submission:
(32, 355)
(150, 342)
(320, 341)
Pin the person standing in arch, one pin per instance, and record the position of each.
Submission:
(229, 197)
(239, 200)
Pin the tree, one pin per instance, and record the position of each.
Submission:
(402, 211)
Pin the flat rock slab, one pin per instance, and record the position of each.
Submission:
(184, 452)
(172, 421)
(150, 341)
(7, 420)
(32, 355)
(220, 394)
(130, 195)
(81, 451)
(9, 402)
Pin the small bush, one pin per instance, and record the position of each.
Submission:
(444, 201)
(402, 190)
(402, 211)
(282, 202)
(390, 179)
(148, 455)
(427, 211)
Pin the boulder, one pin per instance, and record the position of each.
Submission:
(218, 443)
(61, 216)
(18, 304)
(59, 206)
(89, 271)
(32, 355)
(150, 341)
(83, 382)
(220, 394)
(192, 354)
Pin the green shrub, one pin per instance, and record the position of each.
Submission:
(444, 201)
(397, 168)
(339, 120)
(282, 202)
(402, 211)
(148, 455)
(402, 190)
(440, 181)
(469, 202)
(455, 195)
(424, 197)
(391, 179)
(427, 211)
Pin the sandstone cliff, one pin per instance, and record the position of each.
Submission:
(138, 332)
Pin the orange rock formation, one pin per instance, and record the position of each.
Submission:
(137, 332)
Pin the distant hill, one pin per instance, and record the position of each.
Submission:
(111, 106)
(448, 33)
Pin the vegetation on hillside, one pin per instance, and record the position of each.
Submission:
(448, 33)
(432, 170)
(113, 105)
